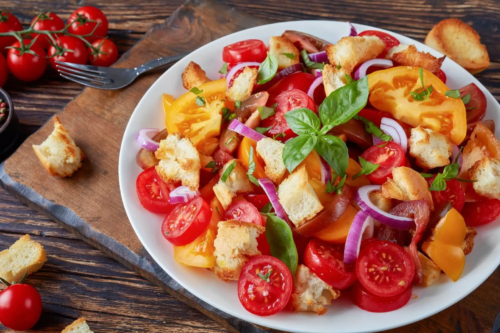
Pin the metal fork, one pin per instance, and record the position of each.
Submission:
(110, 78)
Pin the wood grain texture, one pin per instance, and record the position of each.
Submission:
(85, 277)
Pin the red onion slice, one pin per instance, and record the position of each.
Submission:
(389, 126)
(244, 130)
(236, 68)
(376, 140)
(316, 83)
(281, 74)
(353, 32)
(182, 194)
(319, 56)
(270, 189)
(326, 171)
(362, 227)
(364, 202)
(144, 138)
(361, 71)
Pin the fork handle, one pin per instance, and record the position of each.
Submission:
(158, 62)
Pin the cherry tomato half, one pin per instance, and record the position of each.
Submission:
(384, 268)
(106, 54)
(27, 67)
(258, 200)
(20, 307)
(243, 211)
(476, 108)
(301, 81)
(153, 192)
(373, 303)
(77, 55)
(186, 222)
(83, 22)
(453, 194)
(8, 23)
(265, 286)
(481, 213)
(388, 40)
(388, 156)
(47, 22)
(327, 262)
(245, 51)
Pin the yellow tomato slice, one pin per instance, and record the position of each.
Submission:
(390, 91)
(198, 253)
(338, 230)
(197, 122)
(168, 100)
(244, 157)
(313, 165)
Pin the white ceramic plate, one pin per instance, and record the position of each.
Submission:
(342, 316)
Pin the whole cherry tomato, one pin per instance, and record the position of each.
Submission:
(59, 51)
(105, 53)
(46, 22)
(8, 23)
(24, 65)
(4, 71)
(20, 307)
(81, 23)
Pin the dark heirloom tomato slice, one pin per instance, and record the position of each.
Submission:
(384, 268)
(258, 200)
(303, 41)
(454, 194)
(373, 303)
(388, 156)
(186, 222)
(153, 192)
(245, 51)
(300, 80)
(243, 211)
(265, 286)
(476, 108)
(327, 262)
(388, 40)
(442, 76)
(481, 213)
(354, 131)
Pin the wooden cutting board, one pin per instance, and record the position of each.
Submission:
(89, 203)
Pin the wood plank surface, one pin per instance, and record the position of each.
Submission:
(80, 280)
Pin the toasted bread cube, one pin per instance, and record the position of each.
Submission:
(430, 270)
(279, 45)
(58, 153)
(78, 326)
(486, 172)
(179, 161)
(410, 56)
(431, 149)
(461, 43)
(310, 293)
(23, 256)
(298, 197)
(351, 52)
(333, 79)
(236, 241)
(378, 199)
(194, 76)
(236, 183)
(468, 243)
(271, 152)
(243, 85)
(396, 49)
(407, 184)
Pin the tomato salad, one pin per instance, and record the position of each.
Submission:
(297, 168)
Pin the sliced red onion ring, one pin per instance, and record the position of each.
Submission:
(316, 83)
(376, 140)
(353, 31)
(237, 67)
(268, 187)
(326, 171)
(244, 130)
(364, 202)
(316, 72)
(454, 155)
(182, 194)
(319, 56)
(392, 127)
(144, 138)
(362, 227)
(361, 71)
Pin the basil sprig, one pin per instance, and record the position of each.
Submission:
(267, 69)
(280, 239)
(371, 128)
(330, 188)
(228, 171)
(366, 168)
(424, 94)
(449, 172)
(251, 168)
(309, 63)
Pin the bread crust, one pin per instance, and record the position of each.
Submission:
(414, 58)
(193, 76)
(9, 271)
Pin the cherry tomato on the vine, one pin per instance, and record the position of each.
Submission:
(28, 64)
(47, 22)
(59, 52)
(20, 307)
(8, 23)
(105, 53)
(84, 20)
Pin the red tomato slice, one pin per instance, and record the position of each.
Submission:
(476, 108)
(385, 269)
(373, 303)
(265, 286)
(186, 222)
(481, 213)
(442, 76)
(454, 194)
(243, 211)
(327, 262)
(221, 157)
(153, 192)
(245, 51)
(388, 40)
(287, 101)
(388, 157)
(301, 81)
(258, 200)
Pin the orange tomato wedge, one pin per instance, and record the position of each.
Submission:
(338, 230)
(352, 169)
(244, 157)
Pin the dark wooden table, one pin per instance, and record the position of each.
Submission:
(79, 280)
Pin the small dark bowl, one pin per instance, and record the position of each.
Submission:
(9, 131)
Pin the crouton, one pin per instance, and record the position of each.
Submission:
(78, 326)
(298, 197)
(396, 49)
(486, 172)
(271, 152)
(407, 184)
(351, 52)
(236, 183)
(310, 293)
(280, 45)
(333, 79)
(194, 76)
(468, 243)
(410, 56)
(461, 43)
(430, 270)
(243, 85)
(236, 241)
(179, 161)
(378, 199)
(23, 256)
(58, 153)
(431, 149)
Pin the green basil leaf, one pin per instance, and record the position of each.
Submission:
(330, 188)
(227, 115)
(237, 104)
(228, 171)
(303, 121)
(251, 168)
(263, 130)
(439, 184)
(229, 141)
(366, 168)
(223, 70)
(309, 63)
(453, 93)
(280, 239)
(267, 208)
(200, 101)
(266, 112)
(196, 91)
(371, 128)
(426, 175)
(348, 78)
(421, 72)
(466, 180)
(422, 96)
(297, 149)
(343, 103)
(466, 99)
(265, 277)
(339, 66)
(451, 171)
(267, 69)
(335, 153)
(279, 135)
(289, 55)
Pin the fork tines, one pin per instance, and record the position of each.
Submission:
(83, 74)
